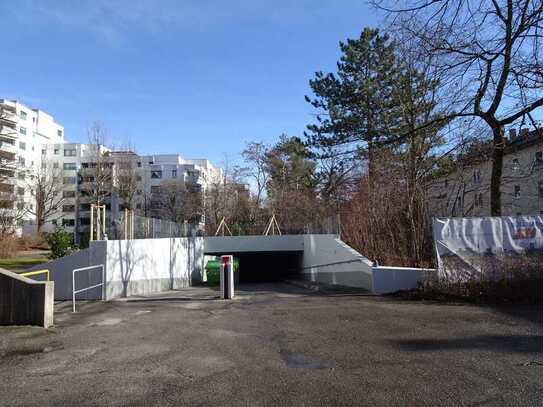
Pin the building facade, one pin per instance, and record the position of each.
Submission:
(37, 161)
(23, 132)
(465, 192)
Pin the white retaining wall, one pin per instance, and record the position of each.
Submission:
(138, 267)
(329, 260)
(132, 267)
(391, 279)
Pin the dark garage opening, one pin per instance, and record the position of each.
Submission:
(262, 267)
(268, 266)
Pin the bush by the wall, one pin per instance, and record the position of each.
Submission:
(60, 242)
(8, 246)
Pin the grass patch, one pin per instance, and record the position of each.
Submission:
(20, 264)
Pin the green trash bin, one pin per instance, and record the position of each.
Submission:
(213, 269)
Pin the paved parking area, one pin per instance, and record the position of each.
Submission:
(276, 344)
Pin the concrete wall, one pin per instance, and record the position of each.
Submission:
(24, 301)
(240, 244)
(328, 260)
(391, 279)
(139, 267)
(61, 272)
(132, 267)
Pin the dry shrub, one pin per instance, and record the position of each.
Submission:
(33, 242)
(502, 279)
(8, 246)
(386, 222)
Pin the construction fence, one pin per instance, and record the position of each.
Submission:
(489, 248)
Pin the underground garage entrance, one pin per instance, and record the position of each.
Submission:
(265, 267)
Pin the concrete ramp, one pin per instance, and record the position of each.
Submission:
(142, 266)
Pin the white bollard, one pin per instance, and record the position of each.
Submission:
(227, 277)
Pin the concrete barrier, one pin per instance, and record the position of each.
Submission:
(392, 279)
(24, 301)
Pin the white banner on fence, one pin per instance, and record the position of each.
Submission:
(465, 245)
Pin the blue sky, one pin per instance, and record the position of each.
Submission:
(200, 78)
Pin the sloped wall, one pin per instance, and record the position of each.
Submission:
(329, 260)
(61, 272)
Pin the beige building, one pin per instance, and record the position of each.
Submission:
(466, 191)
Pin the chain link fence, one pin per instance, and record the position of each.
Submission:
(141, 227)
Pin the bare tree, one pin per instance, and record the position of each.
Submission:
(127, 178)
(488, 57)
(254, 156)
(178, 202)
(45, 186)
(97, 174)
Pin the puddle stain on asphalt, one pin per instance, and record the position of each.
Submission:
(297, 360)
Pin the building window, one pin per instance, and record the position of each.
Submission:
(55, 165)
(476, 176)
(20, 205)
(156, 174)
(155, 189)
(139, 192)
(517, 191)
(56, 151)
(20, 191)
(22, 115)
(70, 152)
(21, 175)
(88, 178)
(68, 194)
(21, 161)
(174, 173)
(43, 151)
(139, 164)
(69, 180)
(540, 188)
(59, 133)
(68, 222)
(69, 166)
(68, 208)
(22, 145)
(22, 130)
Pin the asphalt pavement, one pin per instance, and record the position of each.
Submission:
(275, 344)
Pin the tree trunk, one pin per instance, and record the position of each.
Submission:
(497, 168)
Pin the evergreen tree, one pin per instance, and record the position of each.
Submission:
(356, 105)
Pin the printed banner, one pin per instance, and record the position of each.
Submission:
(480, 247)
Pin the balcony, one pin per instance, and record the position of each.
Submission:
(8, 148)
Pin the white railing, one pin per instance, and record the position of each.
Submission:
(74, 291)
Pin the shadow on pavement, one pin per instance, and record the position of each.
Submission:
(496, 343)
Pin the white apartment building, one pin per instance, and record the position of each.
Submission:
(23, 132)
(77, 163)
(31, 142)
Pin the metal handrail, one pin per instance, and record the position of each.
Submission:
(74, 291)
(37, 272)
